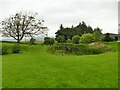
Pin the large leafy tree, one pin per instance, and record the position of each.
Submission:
(21, 24)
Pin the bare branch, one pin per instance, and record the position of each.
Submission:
(21, 24)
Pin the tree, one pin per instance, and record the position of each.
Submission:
(89, 30)
(98, 30)
(87, 38)
(61, 27)
(98, 34)
(32, 41)
(21, 24)
(107, 37)
(80, 29)
(60, 39)
(62, 33)
(49, 41)
(116, 38)
(68, 33)
(76, 39)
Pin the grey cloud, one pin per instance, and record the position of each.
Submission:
(102, 13)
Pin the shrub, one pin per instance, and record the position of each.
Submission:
(51, 49)
(76, 39)
(32, 41)
(79, 49)
(101, 47)
(46, 40)
(68, 48)
(107, 38)
(87, 38)
(116, 38)
(16, 48)
(3, 50)
(97, 36)
(68, 41)
(49, 41)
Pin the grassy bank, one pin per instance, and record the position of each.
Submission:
(34, 67)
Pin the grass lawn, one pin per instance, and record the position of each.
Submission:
(34, 67)
(0, 72)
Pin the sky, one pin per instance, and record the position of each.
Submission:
(119, 16)
(96, 13)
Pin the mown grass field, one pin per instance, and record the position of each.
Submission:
(34, 67)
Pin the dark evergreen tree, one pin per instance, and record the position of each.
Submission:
(68, 33)
(89, 30)
(61, 27)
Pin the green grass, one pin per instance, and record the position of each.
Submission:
(34, 67)
(0, 69)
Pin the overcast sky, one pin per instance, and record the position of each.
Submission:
(101, 13)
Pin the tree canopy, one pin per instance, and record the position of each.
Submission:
(21, 24)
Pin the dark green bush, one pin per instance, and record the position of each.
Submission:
(49, 41)
(60, 39)
(32, 41)
(3, 50)
(76, 39)
(16, 48)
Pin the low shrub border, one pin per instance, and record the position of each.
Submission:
(79, 49)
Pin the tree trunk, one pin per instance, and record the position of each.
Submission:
(18, 41)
